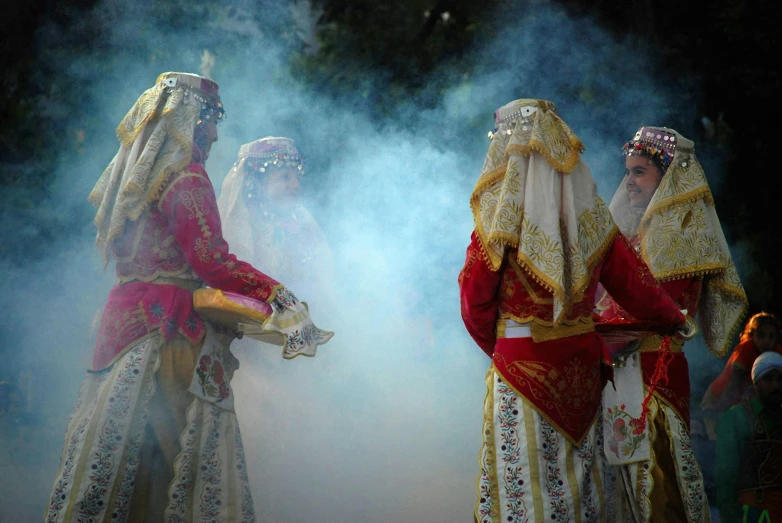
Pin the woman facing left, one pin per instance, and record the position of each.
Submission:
(153, 433)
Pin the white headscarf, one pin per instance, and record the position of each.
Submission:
(767, 361)
(537, 195)
(156, 141)
(681, 235)
(301, 259)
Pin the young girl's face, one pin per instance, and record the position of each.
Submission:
(642, 180)
(283, 185)
(765, 337)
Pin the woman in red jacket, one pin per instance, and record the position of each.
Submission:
(153, 435)
(543, 239)
(664, 205)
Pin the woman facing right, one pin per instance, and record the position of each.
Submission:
(665, 207)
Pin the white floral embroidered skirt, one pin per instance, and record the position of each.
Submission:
(682, 496)
(102, 460)
(530, 471)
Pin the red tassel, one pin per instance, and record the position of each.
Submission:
(660, 376)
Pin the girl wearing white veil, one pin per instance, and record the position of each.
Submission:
(665, 207)
(264, 219)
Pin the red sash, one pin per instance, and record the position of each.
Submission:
(562, 378)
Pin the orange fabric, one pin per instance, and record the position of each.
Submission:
(729, 387)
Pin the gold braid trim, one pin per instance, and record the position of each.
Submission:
(493, 260)
(186, 142)
(539, 276)
(592, 261)
(490, 257)
(158, 95)
(688, 272)
(155, 191)
(737, 325)
(504, 238)
(486, 180)
(544, 323)
(566, 167)
(733, 331)
(181, 175)
(541, 334)
(482, 253)
(728, 288)
(578, 288)
(157, 187)
(537, 298)
(653, 343)
(544, 330)
(508, 239)
(135, 213)
(702, 193)
(126, 139)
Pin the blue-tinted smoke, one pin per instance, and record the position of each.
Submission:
(384, 424)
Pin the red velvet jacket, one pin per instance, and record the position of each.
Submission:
(562, 377)
(676, 391)
(179, 236)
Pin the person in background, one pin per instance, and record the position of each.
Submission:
(543, 239)
(761, 334)
(265, 220)
(749, 449)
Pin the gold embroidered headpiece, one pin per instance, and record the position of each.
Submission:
(271, 152)
(536, 126)
(681, 237)
(153, 103)
(657, 143)
(156, 140)
(537, 196)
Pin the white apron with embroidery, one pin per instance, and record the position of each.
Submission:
(625, 440)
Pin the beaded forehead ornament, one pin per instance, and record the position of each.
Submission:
(203, 90)
(657, 143)
(270, 153)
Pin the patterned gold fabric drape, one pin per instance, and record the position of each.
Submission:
(156, 141)
(681, 237)
(536, 194)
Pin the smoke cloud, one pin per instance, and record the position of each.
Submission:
(384, 424)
